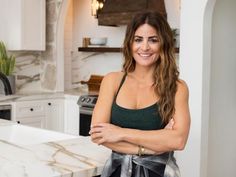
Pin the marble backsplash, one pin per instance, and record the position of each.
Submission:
(28, 71)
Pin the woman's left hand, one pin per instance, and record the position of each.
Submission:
(105, 133)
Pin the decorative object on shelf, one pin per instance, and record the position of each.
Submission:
(96, 6)
(7, 65)
(94, 41)
(86, 41)
(98, 41)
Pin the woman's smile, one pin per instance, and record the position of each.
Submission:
(145, 55)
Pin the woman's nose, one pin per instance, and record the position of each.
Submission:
(145, 45)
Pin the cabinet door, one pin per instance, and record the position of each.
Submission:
(29, 109)
(55, 114)
(71, 116)
(23, 24)
(38, 122)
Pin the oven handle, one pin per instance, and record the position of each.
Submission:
(5, 107)
(87, 111)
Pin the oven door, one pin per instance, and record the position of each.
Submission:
(85, 120)
(5, 112)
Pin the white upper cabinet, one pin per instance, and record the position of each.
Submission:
(23, 24)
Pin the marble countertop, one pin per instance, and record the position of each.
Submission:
(77, 157)
(73, 94)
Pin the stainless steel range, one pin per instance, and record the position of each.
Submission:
(86, 103)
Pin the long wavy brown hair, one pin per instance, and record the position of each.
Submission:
(166, 73)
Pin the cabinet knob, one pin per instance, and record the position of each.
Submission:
(31, 109)
(49, 104)
(18, 122)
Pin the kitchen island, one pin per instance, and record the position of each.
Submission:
(73, 156)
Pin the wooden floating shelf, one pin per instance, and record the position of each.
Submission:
(106, 49)
(100, 49)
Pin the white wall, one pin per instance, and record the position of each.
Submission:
(206, 63)
(216, 99)
(222, 141)
(191, 70)
(85, 25)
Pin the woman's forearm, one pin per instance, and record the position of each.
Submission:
(122, 147)
(156, 140)
(127, 148)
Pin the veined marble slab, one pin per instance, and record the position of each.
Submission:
(28, 97)
(26, 135)
(77, 157)
(73, 93)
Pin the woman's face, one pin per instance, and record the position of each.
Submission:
(146, 45)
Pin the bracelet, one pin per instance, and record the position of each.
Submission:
(141, 150)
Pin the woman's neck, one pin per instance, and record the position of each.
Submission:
(143, 75)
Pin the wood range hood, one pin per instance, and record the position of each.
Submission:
(120, 12)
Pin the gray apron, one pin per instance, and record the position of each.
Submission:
(143, 164)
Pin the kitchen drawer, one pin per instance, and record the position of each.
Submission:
(38, 122)
(29, 109)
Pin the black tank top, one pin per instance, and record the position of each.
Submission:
(146, 118)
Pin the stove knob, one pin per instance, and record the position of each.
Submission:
(82, 99)
(88, 100)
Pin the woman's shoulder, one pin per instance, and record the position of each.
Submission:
(182, 83)
(182, 87)
(113, 77)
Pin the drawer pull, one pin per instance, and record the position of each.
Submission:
(31, 109)
(49, 104)
(18, 122)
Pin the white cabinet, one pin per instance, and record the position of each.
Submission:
(48, 114)
(54, 113)
(30, 113)
(23, 24)
(59, 114)
(38, 121)
(71, 116)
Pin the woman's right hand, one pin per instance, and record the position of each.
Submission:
(105, 133)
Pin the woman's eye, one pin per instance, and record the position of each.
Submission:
(137, 40)
(154, 40)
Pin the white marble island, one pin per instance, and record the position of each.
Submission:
(67, 156)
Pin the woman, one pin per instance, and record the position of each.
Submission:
(142, 113)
